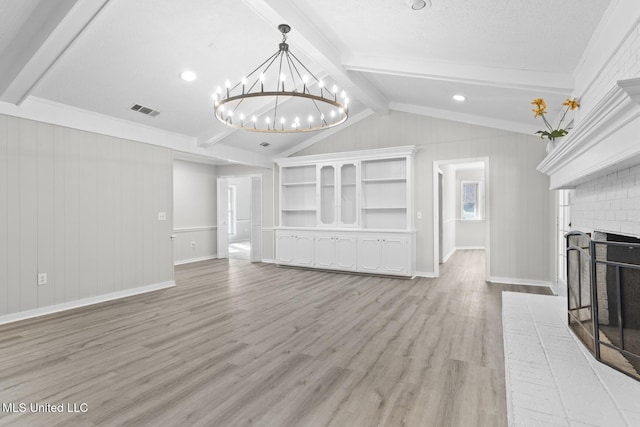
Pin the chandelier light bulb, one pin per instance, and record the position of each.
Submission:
(227, 84)
(218, 90)
(320, 84)
(244, 81)
(282, 120)
(267, 120)
(241, 116)
(230, 113)
(254, 119)
(310, 118)
(334, 89)
(333, 113)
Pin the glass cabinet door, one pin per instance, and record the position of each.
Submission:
(327, 195)
(348, 194)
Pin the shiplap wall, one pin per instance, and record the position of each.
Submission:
(521, 205)
(82, 208)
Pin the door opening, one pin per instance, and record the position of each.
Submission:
(460, 209)
(240, 218)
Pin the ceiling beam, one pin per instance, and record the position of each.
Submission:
(45, 36)
(473, 119)
(306, 36)
(537, 81)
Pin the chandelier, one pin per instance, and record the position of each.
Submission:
(257, 102)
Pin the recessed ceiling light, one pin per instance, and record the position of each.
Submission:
(459, 98)
(419, 4)
(188, 76)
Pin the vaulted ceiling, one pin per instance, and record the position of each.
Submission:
(103, 56)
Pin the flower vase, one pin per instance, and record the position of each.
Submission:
(551, 144)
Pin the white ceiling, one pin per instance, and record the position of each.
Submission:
(102, 56)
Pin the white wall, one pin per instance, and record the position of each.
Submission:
(448, 211)
(194, 189)
(243, 209)
(521, 204)
(268, 199)
(469, 234)
(82, 208)
(610, 203)
(612, 55)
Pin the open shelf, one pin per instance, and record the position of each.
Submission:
(298, 184)
(382, 180)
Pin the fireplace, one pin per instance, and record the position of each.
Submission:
(603, 288)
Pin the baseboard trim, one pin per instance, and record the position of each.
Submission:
(190, 260)
(428, 274)
(269, 261)
(37, 312)
(447, 256)
(520, 282)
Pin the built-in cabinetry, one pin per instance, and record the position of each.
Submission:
(348, 211)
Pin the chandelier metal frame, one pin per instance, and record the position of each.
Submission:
(327, 107)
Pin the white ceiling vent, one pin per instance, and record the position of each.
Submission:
(145, 110)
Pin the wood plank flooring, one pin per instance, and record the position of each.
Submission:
(237, 344)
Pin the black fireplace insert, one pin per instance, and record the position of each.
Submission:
(603, 290)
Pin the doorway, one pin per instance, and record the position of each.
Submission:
(460, 209)
(240, 217)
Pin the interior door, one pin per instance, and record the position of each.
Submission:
(256, 219)
(223, 218)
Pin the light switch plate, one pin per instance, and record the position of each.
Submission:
(419, 215)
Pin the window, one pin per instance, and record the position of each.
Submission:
(471, 201)
(231, 209)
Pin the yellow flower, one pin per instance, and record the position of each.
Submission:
(540, 103)
(550, 132)
(571, 103)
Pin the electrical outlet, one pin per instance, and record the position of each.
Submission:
(193, 244)
(42, 279)
(419, 215)
(162, 216)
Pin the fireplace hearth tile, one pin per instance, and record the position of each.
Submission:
(551, 379)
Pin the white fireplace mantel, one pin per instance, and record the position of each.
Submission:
(605, 140)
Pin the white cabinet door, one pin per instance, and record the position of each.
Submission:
(384, 255)
(293, 248)
(346, 252)
(325, 251)
(285, 248)
(369, 254)
(304, 250)
(395, 255)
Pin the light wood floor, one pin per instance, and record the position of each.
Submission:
(252, 344)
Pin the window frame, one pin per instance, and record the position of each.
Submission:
(479, 200)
